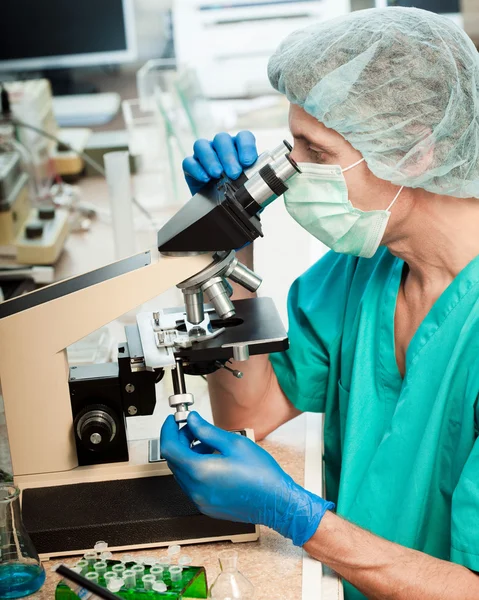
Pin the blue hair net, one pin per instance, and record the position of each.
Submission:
(400, 84)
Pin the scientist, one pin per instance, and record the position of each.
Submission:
(383, 340)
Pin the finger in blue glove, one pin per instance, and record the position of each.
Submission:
(238, 480)
(225, 154)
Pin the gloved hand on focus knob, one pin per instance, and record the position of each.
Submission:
(240, 481)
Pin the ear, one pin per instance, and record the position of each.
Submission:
(418, 160)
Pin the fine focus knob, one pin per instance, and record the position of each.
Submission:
(96, 427)
(47, 213)
(33, 231)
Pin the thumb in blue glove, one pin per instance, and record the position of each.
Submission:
(237, 480)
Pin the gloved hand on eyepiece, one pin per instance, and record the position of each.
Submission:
(240, 481)
(225, 154)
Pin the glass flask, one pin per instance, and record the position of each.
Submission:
(21, 572)
(230, 583)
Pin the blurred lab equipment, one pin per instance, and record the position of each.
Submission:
(163, 122)
(453, 9)
(16, 280)
(226, 41)
(68, 429)
(94, 348)
(470, 15)
(230, 583)
(117, 169)
(21, 572)
(30, 233)
(93, 33)
(31, 102)
(31, 112)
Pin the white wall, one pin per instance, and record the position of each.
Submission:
(152, 24)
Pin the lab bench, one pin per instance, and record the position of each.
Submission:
(277, 569)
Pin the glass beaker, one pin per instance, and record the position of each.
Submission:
(21, 572)
(230, 583)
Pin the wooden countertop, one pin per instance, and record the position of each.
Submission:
(273, 564)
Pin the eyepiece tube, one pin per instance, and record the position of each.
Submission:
(280, 150)
(269, 182)
(285, 167)
(268, 157)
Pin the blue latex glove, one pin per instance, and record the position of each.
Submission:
(225, 154)
(240, 481)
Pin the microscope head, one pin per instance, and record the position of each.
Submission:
(223, 215)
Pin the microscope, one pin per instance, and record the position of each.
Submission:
(81, 479)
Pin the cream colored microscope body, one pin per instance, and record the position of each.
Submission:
(34, 374)
(34, 369)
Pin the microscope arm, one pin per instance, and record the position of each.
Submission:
(36, 328)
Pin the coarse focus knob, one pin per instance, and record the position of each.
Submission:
(96, 427)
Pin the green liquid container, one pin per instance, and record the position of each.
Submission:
(192, 585)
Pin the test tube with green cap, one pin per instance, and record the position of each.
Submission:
(139, 571)
(115, 584)
(129, 578)
(127, 558)
(90, 557)
(118, 569)
(157, 571)
(100, 546)
(92, 576)
(83, 566)
(100, 568)
(173, 552)
(176, 573)
(148, 581)
(149, 561)
(109, 575)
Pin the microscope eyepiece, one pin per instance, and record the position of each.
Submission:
(266, 184)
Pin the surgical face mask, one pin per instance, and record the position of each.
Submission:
(317, 199)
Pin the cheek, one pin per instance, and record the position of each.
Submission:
(367, 192)
(361, 192)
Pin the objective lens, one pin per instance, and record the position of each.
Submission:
(217, 292)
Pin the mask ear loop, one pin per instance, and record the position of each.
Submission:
(395, 198)
(353, 165)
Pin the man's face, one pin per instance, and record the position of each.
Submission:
(315, 143)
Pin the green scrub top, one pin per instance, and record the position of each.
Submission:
(401, 457)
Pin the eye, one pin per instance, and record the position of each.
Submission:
(318, 154)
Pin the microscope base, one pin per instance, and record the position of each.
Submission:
(144, 512)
